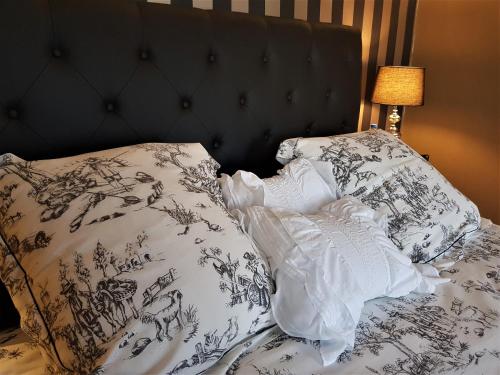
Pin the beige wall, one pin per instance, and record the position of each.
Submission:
(459, 125)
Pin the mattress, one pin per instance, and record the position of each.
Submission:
(453, 331)
(18, 355)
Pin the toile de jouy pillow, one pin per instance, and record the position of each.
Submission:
(126, 262)
(426, 214)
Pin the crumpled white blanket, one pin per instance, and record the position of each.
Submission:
(327, 264)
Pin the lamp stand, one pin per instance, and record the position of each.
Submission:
(393, 120)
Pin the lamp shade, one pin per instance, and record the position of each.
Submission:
(399, 85)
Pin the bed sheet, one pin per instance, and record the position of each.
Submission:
(453, 331)
(18, 355)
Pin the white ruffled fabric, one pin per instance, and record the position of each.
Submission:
(302, 186)
(326, 265)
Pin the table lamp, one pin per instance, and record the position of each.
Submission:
(399, 85)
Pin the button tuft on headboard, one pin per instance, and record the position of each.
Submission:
(216, 143)
(243, 100)
(212, 57)
(309, 128)
(57, 52)
(144, 54)
(110, 106)
(267, 135)
(186, 103)
(13, 113)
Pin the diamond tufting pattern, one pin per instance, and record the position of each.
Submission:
(78, 76)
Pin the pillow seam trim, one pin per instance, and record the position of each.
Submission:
(25, 274)
(454, 242)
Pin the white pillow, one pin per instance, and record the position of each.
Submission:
(302, 186)
(326, 265)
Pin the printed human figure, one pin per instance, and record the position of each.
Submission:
(87, 323)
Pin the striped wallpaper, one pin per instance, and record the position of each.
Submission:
(387, 31)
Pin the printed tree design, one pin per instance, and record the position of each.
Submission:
(404, 185)
(198, 179)
(376, 141)
(50, 307)
(134, 259)
(418, 254)
(6, 201)
(8, 267)
(482, 286)
(223, 267)
(33, 326)
(130, 251)
(373, 141)
(186, 217)
(433, 324)
(483, 247)
(181, 215)
(101, 257)
(345, 161)
(255, 290)
(490, 286)
(141, 238)
(407, 186)
(82, 272)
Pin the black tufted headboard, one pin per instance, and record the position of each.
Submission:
(83, 75)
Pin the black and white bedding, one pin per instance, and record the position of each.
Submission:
(18, 354)
(127, 261)
(111, 257)
(453, 331)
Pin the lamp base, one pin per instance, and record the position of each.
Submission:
(393, 120)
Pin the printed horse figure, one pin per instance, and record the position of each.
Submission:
(103, 309)
(111, 293)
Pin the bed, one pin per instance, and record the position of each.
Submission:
(452, 331)
(87, 76)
